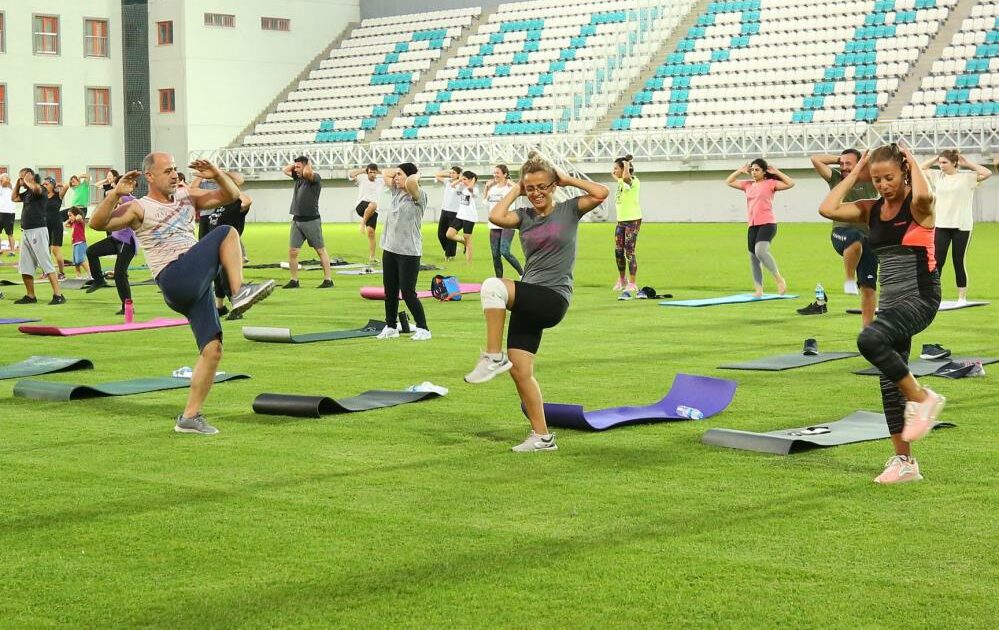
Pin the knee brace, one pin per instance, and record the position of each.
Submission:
(493, 294)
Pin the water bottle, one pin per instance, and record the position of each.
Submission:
(689, 412)
(820, 294)
(129, 312)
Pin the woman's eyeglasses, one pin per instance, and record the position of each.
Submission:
(539, 188)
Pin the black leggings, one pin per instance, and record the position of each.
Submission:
(124, 254)
(534, 308)
(399, 274)
(942, 239)
(450, 247)
(886, 344)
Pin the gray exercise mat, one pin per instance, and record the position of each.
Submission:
(63, 392)
(859, 426)
(788, 361)
(283, 335)
(926, 367)
(37, 365)
(318, 406)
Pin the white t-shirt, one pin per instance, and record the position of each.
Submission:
(6, 200)
(467, 208)
(494, 196)
(955, 194)
(368, 190)
(450, 196)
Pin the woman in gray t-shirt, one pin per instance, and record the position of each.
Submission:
(541, 298)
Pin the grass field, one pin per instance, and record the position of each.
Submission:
(419, 516)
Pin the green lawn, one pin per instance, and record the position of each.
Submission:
(419, 516)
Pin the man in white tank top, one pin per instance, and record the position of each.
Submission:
(184, 268)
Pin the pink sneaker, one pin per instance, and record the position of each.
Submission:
(919, 417)
(619, 286)
(899, 469)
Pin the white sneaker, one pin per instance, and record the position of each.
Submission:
(920, 417)
(249, 295)
(421, 334)
(487, 369)
(535, 442)
(388, 333)
(850, 287)
(962, 301)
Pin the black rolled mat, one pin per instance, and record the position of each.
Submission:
(283, 335)
(319, 406)
(37, 365)
(788, 361)
(926, 367)
(64, 392)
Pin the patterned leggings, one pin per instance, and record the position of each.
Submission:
(625, 239)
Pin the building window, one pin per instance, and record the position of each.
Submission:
(46, 34)
(3, 34)
(164, 33)
(3, 103)
(95, 38)
(220, 19)
(168, 102)
(98, 106)
(48, 105)
(97, 175)
(275, 24)
(55, 172)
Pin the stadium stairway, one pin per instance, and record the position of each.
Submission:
(397, 110)
(638, 84)
(932, 53)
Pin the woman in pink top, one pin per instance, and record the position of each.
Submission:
(760, 190)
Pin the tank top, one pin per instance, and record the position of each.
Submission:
(167, 230)
(905, 254)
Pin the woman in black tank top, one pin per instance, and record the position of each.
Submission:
(901, 224)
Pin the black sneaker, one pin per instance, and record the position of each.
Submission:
(813, 309)
(933, 351)
(57, 299)
(327, 284)
(27, 299)
(96, 284)
(811, 348)
(233, 316)
(291, 284)
(223, 310)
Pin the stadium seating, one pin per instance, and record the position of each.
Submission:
(965, 80)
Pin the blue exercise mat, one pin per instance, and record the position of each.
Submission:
(741, 298)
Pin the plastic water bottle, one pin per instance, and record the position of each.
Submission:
(820, 294)
(129, 312)
(689, 412)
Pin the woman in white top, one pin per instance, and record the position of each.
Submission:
(500, 239)
(955, 191)
(7, 208)
(468, 212)
(449, 209)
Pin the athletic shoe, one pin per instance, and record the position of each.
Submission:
(811, 348)
(487, 369)
(625, 295)
(327, 284)
(962, 301)
(919, 417)
(813, 309)
(977, 369)
(196, 424)
(421, 334)
(535, 442)
(57, 299)
(388, 333)
(61, 276)
(619, 286)
(233, 316)
(641, 295)
(96, 284)
(249, 295)
(223, 311)
(27, 299)
(899, 469)
(291, 284)
(374, 261)
(850, 287)
(631, 288)
(120, 311)
(934, 351)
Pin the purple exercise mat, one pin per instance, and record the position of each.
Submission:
(17, 321)
(710, 395)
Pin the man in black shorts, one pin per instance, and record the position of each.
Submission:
(369, 190)
(35, 252)
(306, 224)
(232, 214)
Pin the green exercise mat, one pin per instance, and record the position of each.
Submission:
(788, 361)
(37, 365)
(283, 335)
(63, 392)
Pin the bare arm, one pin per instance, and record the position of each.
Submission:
(980, 171)
(109, 216)
(354, 172)
(388, 175)
(227, 191)
(245, 201)
(63, 190)
(595, 195)
(822, 162)
(500, 214)
(413, 186)
(308, 172)
(440, 176)
(288, 169)
(626, 176)
(785, 181)
(923, 200)
(832, 207)
(731, 180)
(928, 163)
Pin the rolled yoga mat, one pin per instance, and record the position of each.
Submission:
(926, 367)
(788, 361)
(18, 321)
(378, 293)
(36, 365)
(4, 282)
(63, 392)
(859, 426)
(54, 331)
(709, 395)
(283, 335)
(742, 298)
(319, 406)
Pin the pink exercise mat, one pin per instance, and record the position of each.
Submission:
(378, 293)
(55, 331)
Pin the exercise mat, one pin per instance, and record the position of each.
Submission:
(927, 367)
(319, 406)
(741, 298)
(788, 361)
(948, 305)
(708, 395)
(283, 335)
(859, 426)
(55, 331)
(62, 392)
(36, 365)
(18, 320)
(378, 293)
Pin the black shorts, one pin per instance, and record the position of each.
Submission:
(460, 225)
(867, 267)
(534, 308)
(372, 221)
(7, 223)
(759, 233)
(187, 285)
(55, 235)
